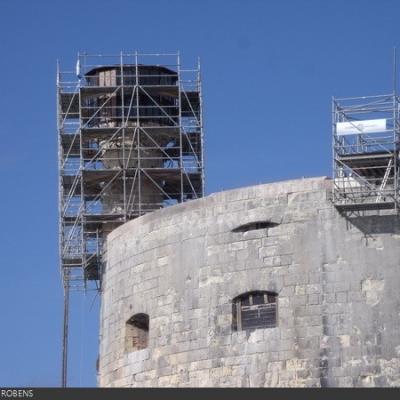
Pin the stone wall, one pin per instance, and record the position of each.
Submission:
(337, 280)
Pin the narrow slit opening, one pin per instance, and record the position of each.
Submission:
(252, 226)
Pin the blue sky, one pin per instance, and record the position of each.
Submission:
(269, 71)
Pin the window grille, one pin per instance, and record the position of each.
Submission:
(254, 310)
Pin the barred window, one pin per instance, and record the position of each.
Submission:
(137, 332)
(254, 310)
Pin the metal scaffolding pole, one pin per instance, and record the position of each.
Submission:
(64, 368)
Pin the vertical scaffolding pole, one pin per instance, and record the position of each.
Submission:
(123, 124)
(139, 164)
(199, 88)
(395, 138)
(181, 167)
(64, 369)
(64, 355)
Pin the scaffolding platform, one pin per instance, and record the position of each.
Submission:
(366, 153)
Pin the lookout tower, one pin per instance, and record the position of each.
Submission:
(130, 142)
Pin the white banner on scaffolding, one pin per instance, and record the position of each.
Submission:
(366, 126)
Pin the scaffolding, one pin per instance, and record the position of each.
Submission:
(130, 142)
(366, 153)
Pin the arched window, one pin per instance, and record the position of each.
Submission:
(254, 310)
(137, 332)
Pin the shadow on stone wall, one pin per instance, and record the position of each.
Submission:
(375, 224)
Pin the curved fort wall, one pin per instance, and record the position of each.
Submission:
(336, 281)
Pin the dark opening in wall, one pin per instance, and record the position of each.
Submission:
(137, 332)
(251, 226)
(254, 310)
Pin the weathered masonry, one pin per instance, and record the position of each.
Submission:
(268, 285)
